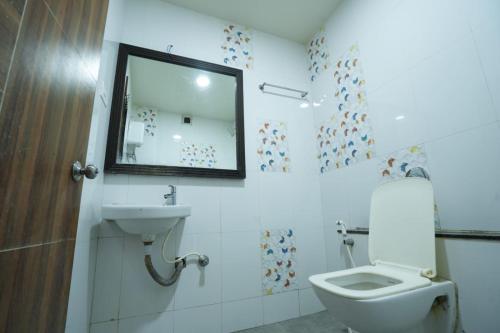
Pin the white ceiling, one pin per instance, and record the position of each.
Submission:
(172, 88)
(295, 20)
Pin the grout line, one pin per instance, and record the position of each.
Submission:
(94, 282)
(483, 69)
(123, 240)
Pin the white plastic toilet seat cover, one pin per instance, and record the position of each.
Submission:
(402, 225)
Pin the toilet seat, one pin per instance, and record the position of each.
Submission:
(399, 279)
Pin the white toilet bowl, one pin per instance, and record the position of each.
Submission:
(372, 299)
(398, 292)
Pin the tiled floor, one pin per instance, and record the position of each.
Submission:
(321, 322)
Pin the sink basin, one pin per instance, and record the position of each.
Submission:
(147, 221)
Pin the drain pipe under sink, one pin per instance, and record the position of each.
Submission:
(179, 266)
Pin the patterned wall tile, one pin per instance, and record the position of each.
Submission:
(273, 152)
(395, 166)
(350, 85)
(318, 54)
(278, 248)
(148, 116)
(346, 137)
(198, 155)
(237, 46)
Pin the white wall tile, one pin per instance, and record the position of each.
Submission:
(81, 291)
(311, 255)
(200, 285)
(396, 121)
(335, 258)
(242, 314)
(204, 200)
(469, 265)
(106, 327)
(464, 170)
(140, 294)
(240, 204)
(160, 322)
(280, 307)
(206, 319)
(309, 302)
(241, 265)
(444, 83)
(488, 46)
(359, 250)
(276, 195)
(149, 189)
(305, 202)
(364, 179)
(115, 189)
(107, 279)
(479, 12)
(335, 198)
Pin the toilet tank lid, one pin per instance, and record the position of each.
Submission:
(402, 225)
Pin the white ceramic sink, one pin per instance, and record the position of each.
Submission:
(144, 220)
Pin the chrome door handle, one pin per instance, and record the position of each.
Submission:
(77, 171)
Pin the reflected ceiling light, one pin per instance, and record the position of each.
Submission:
(202, 81)
(316, 104)
(176, 137)
(304, 105)
(400, 117)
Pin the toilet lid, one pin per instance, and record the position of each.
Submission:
(402, 225)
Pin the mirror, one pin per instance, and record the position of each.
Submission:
(173, 115)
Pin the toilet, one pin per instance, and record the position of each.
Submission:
(398, 292)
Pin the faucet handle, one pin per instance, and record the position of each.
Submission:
(172, 195)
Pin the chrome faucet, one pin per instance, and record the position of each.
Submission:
(171, 198)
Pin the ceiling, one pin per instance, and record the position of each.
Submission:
(173, 88)
(296, 20)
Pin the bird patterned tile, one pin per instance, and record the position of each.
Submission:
(350, 85)
(346, 137)
(237, 46)
(273, 153)
(395, 166)
(198, 155)
(148, 116)
(318, 55)
(278, 249)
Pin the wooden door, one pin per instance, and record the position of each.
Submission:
(50, 49)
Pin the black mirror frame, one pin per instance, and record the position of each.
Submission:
(117, 118)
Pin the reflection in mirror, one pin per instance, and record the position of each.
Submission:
(178, 116)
